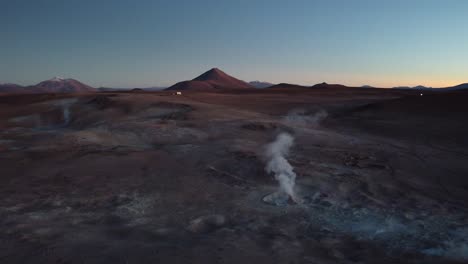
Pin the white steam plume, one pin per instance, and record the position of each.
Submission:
(66, 114)
(277, 164)
(65, 104)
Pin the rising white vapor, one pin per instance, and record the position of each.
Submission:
(276, 153)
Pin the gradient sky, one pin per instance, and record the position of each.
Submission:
(146, 43)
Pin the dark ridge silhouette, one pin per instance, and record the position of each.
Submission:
(462, 86)
(11, 88)
(458, 87)
(316, 86)
(214, 79)
(328, 86)
(287, 86)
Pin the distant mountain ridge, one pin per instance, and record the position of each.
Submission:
(425, 88)
(326, 85)
(118, 89)
(61, 85)
(214, 79)
(286, 86)
(458, 87)
(419, 87)
(316, 86)
(54, 85)
(11, 88)
(259, 84)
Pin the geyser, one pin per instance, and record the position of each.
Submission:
(276, 153)
(65, 104)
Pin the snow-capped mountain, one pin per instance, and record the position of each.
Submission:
(60, 85)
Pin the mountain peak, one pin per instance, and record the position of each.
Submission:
(61, 85)
(212, 79)
(56, 79)
(213, 75)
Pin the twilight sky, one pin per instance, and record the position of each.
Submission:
(141, 43)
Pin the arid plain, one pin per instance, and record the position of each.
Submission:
(148, 177)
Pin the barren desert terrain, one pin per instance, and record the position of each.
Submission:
(154, 177)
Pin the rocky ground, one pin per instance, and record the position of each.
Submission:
(159, 178)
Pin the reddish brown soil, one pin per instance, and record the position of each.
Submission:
(159, 178)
